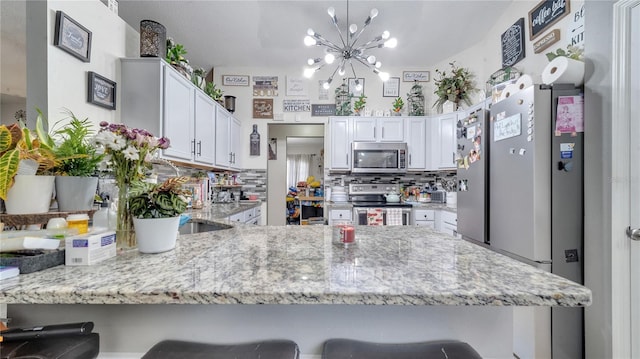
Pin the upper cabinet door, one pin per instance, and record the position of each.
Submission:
(205, 113)
(235, 143)
(391, 129)
(364, 129)
(416, 129)
(339, 143)
(223, 153)
(178, 115)
(447, 140)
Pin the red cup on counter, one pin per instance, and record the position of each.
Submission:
(344, 232)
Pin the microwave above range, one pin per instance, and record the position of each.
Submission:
(379, 157)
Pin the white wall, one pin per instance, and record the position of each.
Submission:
(67, 76)
(9, 108)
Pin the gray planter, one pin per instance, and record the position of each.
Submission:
(75, 193)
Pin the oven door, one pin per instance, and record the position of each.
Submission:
(360, 216)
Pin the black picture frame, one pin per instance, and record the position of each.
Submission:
(352, 86)
(545, 14)
(72, 37)
(101, 91)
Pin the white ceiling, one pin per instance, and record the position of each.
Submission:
(257, 33)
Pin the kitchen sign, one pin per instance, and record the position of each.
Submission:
(296, 105)
(328, 109)
(235, 80)
(575, 29)
(512, 42)
(545, 14)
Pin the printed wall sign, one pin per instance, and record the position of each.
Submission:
(575, 30)
(420, 76)
(296, 86)
(263, 108)
(512, 42)
(323, 109)
(265, 86)
(296, 106)
(546, 41)
(235, 80)
(323, 93)
(545, 14)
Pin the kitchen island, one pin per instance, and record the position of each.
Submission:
(253, 282)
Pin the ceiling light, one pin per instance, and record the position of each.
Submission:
(348, 50)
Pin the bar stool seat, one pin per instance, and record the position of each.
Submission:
(355, 349)
(268, 349)
(59, 347)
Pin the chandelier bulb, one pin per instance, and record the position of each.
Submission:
(327, 84)
(329, 58)
(371, 59)
(384, 76)
(309, 41)
(308, 72)
(311, 61)
(378, 65)
(310, 32)
(373, 13)
(385, 35)
(391, 43)
(353, 28)
(331, 11)
(341, 71)
(358, 87)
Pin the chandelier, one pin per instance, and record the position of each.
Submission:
(348, 50)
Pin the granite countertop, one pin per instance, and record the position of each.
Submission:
(301, 265)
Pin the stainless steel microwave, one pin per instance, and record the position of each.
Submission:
(379, 157)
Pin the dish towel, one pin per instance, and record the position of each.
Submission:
(394, 216)
(374, 217)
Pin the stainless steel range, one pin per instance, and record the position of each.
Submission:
(377, 195)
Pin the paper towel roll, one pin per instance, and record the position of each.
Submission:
(523, 82)
(564, 70)
(509, 90)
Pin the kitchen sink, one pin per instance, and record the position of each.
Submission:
(200, 227)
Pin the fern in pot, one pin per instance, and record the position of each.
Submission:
(76, 174)
(156, 210)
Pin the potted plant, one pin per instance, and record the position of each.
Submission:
(76, 174)
(198, 77)
(175, 56)
(398, 104)
(213, 92)
(358, 106)
(26, 160)
(156, 210)
(455, 88)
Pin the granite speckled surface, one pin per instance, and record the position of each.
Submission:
(301, 265)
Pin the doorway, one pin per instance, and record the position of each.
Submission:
(302, 136)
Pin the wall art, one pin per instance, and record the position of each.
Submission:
(235, 80)
(72, 37)
(296, 86)
(265, 86)
(420, 76)
(352, 87)
(101, 91)
(545, 14)
(512, 42)
(391, 87)
(263, 108)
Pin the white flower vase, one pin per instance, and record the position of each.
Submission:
(156, 235)
(449, 107)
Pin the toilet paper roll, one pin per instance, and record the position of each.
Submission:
(564, 70)
(523, 82)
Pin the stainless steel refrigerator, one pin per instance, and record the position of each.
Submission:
(472, 158)
(536, 206)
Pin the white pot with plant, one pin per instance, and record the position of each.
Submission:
(76, 174)
(456, 87)
(156, 210)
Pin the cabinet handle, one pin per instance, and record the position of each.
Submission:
(230, 157)
(374, 133)
(347, 157)
(199, 148)
(409, 159)
(234, 157)
(193, 146)
(383, 133)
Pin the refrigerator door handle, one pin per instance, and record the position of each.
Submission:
(633, 233)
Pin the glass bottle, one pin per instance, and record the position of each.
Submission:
(254, 141)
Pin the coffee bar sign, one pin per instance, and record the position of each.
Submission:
(545, 14)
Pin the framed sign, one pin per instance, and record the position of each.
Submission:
(263, 108)
(102, 91)
(296, 86)
(512, 42)
(420, 76)
(352, 87)
(391, 87)
(296, 105)
(235, 80)
(72, 37)
(323, 109)
(545, 14)
(265, 86)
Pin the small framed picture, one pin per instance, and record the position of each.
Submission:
(353, 84)
(72, 37)
(102, 91)
(420, 76)
(235, 80)
(391, 87)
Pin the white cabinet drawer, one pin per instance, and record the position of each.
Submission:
(249, 214)
(257, 211)
(338, 214)
(424, 215)
(429, 224)
(238, 217)
(449, 218)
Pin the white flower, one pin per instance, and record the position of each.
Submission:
(105, 164)
(131, 153)
(117, 142)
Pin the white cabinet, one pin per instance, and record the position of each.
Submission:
(161, 100)
(343, 214)
(417, 140)
(447, 222)
(378, 129)
(444, 141)
(339, 143)
(424, 217)
(205, 129)
(248, 216)
(227, 140)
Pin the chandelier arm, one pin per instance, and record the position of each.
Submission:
(378, 46)
(340, 33)
(353, 70)
(363, 61)
(355, 38)
(327, 43)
